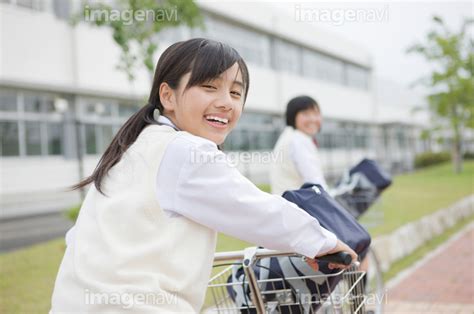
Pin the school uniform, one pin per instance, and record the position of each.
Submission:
(297, 162)
(155, 231)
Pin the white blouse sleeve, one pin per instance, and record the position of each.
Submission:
(304, 155)
(196, 180)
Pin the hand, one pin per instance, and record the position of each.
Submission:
(312, 263)
(341, 247)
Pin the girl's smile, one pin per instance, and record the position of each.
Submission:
(217, 120)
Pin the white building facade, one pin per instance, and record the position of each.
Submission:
(62, 98)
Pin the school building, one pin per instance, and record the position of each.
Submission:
(62, 97)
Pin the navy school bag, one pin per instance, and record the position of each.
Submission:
(374, 173)
(361, 186)
(331, 215)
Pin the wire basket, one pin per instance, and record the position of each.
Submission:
(343, 291)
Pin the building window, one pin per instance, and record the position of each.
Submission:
(127, 110)
(32, 103)
(401, 137)
(101, 119)
(99, 109)
(91, 144)
(33, 138)
(30, 4)
(30, 123)
(98, 137)
(345, 135)
(8, 101)
(37, 103)
(269, 51)
(255, 132)
(55, 138)
(287, 56)
(322, 67)
(10, 139)
(62, 9)
(253, 46)
(106, 136)
(357, 76)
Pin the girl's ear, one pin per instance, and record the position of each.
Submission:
(167, 97)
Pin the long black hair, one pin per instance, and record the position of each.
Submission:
(205, 59)
(296, 105)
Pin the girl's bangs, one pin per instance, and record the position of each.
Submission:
(212, 59)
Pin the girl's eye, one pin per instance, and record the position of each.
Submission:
(238, 94)
(209, 86)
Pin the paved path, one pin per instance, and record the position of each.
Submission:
(23, 231)
(441, 283)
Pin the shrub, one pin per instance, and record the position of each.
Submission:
(468, 156)
(73, 212)
(430, 158)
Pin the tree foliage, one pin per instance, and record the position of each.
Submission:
(135, 25)
(451, 82)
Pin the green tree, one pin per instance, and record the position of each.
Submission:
(452, 82)
(135, 25)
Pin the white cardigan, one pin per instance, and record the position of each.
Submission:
(297, 162)
(127, 255)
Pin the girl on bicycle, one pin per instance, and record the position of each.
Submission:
(297, 147)
(146, 232)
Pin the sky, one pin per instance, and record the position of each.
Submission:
(399, 25)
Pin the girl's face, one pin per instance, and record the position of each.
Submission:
(209, 110)
(308, 121)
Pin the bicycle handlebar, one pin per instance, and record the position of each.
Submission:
(343, 258)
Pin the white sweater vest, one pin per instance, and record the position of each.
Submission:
(283, 173)
(127, 254)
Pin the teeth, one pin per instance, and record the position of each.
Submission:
(223, 120)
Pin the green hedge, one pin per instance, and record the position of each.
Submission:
(430, 158)
(468, 156)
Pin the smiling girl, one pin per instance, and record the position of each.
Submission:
(146, 233)
(300, 161)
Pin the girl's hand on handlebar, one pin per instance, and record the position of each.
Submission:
(312, 263)
(341, 247)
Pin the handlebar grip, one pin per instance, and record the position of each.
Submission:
(343, 258)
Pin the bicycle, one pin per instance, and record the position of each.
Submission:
(357, 195)
(277, 295)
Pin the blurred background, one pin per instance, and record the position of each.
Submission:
(71, 72)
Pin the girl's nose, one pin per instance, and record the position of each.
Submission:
(316, 118)
(224, 102)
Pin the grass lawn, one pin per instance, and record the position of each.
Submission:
(417, 194)
(27, 276)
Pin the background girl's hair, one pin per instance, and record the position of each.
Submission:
(205, 59)
(296, 105)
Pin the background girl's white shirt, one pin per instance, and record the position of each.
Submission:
(196, 181)
(305, 156)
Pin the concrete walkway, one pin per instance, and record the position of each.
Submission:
(442, 282)
(19, 232)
